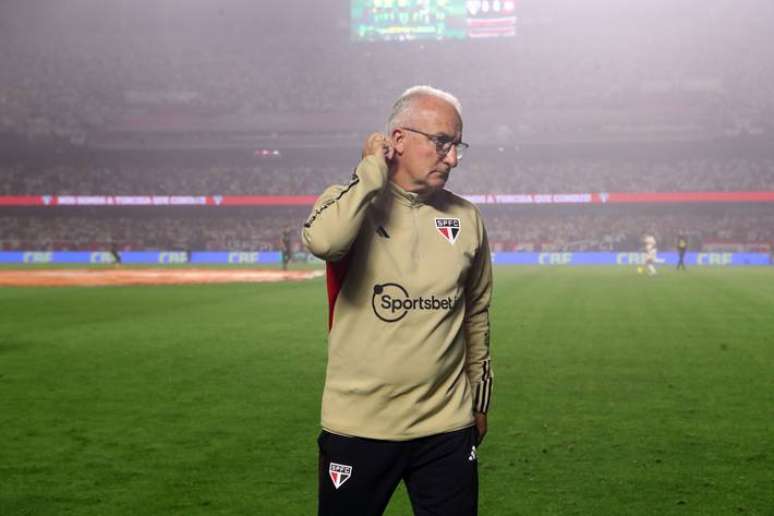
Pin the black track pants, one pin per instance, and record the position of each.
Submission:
(358, 476)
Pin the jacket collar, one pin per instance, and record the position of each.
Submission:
(409, 198)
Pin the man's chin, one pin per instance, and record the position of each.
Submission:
(437, 181)
(433, 186)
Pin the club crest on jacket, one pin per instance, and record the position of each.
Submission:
(449, 228)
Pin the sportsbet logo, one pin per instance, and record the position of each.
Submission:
(391, 302)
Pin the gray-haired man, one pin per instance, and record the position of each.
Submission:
(409, 284)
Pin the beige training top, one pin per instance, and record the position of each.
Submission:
(409, 286)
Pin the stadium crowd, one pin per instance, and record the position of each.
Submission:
(584, 175)
(160, 232)
(96, 67)
(261, 229)
(169, 180)
(543, 232)
(101, 66)
(474, 176)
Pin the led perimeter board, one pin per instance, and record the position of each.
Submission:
(406, 20)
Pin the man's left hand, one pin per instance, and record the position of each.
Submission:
(480, 426)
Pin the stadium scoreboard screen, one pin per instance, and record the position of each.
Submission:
(406, 20)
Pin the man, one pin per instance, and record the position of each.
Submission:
(115, 253)
(651, 253)
(287, 251)
(409, 284)
(682, 246)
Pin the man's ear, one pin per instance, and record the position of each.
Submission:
(398, 139)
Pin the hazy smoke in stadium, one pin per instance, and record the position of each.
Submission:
(657, 61)
(574, 96)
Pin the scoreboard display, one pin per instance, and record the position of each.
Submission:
(406, 20)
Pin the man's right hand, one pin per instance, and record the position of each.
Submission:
(378, 144)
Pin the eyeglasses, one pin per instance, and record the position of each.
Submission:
(443, 143)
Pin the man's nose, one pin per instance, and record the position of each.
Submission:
(451, 157)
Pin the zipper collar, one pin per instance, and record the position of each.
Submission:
(408, 198)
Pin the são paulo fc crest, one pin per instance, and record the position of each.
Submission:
(448, 228)
(339, 473)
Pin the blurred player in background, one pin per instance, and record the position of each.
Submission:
(651, 253)
(287, 250)
(682, 246)
(409, 380)
(115, 253)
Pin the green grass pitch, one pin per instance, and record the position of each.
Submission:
(614, 394)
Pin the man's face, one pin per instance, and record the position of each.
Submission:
(422, 168)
